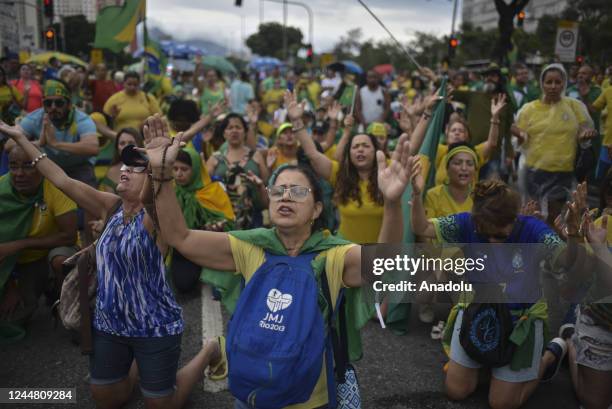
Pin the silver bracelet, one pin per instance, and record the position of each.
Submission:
(38, 159)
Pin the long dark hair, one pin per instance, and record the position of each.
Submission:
(137, 137)
(317, 192)
(347, 181)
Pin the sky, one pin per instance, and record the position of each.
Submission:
(224, 23)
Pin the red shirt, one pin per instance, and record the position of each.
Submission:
(33, 97)
(101, 90)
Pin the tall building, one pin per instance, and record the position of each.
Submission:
(482, 13)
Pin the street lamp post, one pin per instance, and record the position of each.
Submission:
(294, 3)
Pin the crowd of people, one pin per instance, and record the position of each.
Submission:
(280, 177)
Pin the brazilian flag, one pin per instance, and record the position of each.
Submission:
(116, 24)
(398, 313)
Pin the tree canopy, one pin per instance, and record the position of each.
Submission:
(268, 40)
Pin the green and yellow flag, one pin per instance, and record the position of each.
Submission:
(398, 312)
(116, 24)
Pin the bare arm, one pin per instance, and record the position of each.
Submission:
(497, 104)
(263, 169)
(205, 248)
(90, 199)
(87, 146)
(332, 113)
(420, 223)
(66, 236)
(106, 131)
(321, 163)
(418, 135)
(349, 121)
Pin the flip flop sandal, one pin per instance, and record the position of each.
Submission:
(212, 372)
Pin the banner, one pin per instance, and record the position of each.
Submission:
(116, 25)
(567, 40)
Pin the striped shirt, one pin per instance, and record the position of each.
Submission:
(133, 298)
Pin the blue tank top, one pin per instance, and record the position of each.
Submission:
(133, 298)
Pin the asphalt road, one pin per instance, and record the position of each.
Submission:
(397, 372)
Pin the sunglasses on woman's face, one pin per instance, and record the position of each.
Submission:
(133, 169)
(59, 103)
(297, 193)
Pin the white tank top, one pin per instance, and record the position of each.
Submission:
(372, 104)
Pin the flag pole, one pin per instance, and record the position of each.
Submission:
(401, 47)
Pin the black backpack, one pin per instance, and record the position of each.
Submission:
(485, 334)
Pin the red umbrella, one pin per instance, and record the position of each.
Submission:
(383, 69)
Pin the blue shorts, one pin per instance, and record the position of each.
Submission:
(504, 373)
(157, 359)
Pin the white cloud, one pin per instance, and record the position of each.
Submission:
(221, 21)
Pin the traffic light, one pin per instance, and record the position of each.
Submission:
(309, 53)
(238, 3)
(50, 38)
(452, 46)
(520, 18)
(579, 59)
(48, 8)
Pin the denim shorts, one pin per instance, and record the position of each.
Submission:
(504, 373)
(157, 359)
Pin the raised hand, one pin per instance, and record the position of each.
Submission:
(252, 113)
(416, 178)
(217, 109)
(497, 104)
(295, 110)
(12, 132)
(594, 234)
(333, 110)
(576, 210)
(271, 158)
(159, 147)
(393, 179)
(349, 121)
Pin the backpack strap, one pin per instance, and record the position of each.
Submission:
(85, 264)
(337, 341)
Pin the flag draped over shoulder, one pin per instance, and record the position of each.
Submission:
(398, 313)
(116, 24)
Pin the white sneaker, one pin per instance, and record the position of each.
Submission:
(426, 313)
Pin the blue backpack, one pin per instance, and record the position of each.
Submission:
(277, 335)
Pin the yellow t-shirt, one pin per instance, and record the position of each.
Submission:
(441, 159)
(359, 224)
(553, 131)
(133, 110)
(6, 97)
(331, 152)
(280, 158)
(43, 222)
(272, 99)
(439, 203)
(605, 100)
(598, 224)
(248, 258)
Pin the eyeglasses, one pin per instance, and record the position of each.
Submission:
(133, 169)
(59, 102)
(25, 166)
(297, 193)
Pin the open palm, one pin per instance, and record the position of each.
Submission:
(393, 179)
(159, 147)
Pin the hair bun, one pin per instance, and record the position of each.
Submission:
(488, 188)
